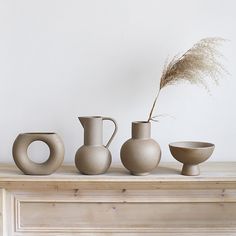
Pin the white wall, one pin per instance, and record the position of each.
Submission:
(60, 59)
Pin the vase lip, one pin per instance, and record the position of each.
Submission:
(94, 117)
(38, 133)
(141, 122)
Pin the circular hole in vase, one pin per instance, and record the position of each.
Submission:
(38, 152)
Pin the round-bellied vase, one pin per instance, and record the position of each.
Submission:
(140, 154)
(27, 166)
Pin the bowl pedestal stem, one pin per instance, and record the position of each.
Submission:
(190, 170)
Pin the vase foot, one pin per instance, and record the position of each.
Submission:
(140, 174)
(190, 170)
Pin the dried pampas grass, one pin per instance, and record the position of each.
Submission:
(194, 66)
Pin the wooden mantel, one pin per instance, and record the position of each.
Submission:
(116, 203)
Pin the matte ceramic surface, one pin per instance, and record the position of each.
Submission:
(29, 167)
(93, 157)
(140, 154)
(191, 154)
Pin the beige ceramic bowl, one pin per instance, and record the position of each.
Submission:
(191, 154)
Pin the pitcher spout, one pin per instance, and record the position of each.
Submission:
(92, 129)
(82, 120)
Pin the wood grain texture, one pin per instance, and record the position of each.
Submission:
(125, 211)
(163, 203)
(166, 176)
(2, 212)
(123, 217)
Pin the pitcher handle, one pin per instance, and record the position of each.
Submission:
(114, 132)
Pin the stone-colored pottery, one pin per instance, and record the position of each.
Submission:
(191, 154)
(140, 154)
(29, 167)
(93, 157)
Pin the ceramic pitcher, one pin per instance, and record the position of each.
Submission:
(93, 157)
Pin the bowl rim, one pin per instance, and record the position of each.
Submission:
(209, 145)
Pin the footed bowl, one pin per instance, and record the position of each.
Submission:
(191, 154)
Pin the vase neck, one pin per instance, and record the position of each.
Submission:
(141, 130)
(92, 130)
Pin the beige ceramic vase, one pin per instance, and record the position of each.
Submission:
(93, 157)
(140, 154)
(23, 162)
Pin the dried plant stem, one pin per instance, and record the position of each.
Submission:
(153, 105)
(196, 64)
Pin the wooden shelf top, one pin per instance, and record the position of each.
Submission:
(166, 175)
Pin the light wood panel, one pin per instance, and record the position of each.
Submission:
(2, 212)
(117, 217)
(125, 211)
(166, 176)
(164, 203)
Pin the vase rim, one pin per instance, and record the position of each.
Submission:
(37, 133)
(90, 117)
(141, 122)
